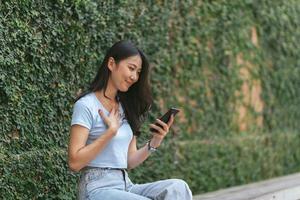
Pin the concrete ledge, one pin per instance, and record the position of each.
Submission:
(282, 188)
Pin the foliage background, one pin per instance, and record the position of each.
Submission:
(231, 66)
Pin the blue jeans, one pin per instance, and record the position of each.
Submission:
(112, 184)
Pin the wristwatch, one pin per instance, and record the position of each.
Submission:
(150, 148)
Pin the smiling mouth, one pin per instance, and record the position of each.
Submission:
(129, 83)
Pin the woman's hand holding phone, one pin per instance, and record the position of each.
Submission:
(160, 132)
(160, 128)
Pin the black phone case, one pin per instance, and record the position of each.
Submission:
(165, 118)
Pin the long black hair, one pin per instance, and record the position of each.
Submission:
(137, 100)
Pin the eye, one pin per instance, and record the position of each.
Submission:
(131, 68)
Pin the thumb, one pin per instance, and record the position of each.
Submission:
(171, 120)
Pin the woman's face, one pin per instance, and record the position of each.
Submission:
(126, 72)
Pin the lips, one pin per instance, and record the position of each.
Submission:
(128, 83)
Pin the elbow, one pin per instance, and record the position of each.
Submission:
(130, 165)
(73, 166)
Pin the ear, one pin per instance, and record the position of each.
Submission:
(111, 63)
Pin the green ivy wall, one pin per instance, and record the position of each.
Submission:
(233, 68)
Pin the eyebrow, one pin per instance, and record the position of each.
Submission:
(135, 66)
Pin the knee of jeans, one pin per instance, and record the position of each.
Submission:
(179, 182)
(180, 185)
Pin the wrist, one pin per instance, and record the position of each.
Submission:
(111, 131)
(150, 148)
(154, 142)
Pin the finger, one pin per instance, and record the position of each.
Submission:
(103, 116)
(118, 116)
(171, 120)
(112, 111)
(163, 124)
(158, 129)
(157, 135)
(117, 112)
(100, 113)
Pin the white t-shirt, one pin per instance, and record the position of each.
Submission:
(85, 113)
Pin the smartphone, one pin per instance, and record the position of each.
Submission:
(165, 118)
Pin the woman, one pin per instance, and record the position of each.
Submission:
(105, 123)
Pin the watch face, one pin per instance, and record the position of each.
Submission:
(152, 149)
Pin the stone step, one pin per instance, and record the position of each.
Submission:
(282, 188)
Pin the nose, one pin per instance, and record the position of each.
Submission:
(134, 77)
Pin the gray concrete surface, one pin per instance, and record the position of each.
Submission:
(281, 188)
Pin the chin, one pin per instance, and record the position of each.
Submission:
(124, 89)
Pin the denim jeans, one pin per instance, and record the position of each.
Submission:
(114, 184)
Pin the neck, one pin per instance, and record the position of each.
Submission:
(111, 90)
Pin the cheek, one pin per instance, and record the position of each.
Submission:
(116, 78)
(126, 74)
(122, 75)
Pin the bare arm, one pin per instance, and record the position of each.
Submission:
(80, 154)
(136, 157)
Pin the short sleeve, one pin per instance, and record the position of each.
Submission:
(82, 115)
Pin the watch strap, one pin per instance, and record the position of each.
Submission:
(150, 148)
